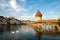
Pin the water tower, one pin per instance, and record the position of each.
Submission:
(38, 16)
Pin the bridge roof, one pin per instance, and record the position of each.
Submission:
(47, 21)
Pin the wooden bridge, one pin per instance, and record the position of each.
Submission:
(45, 29)
(53, 31)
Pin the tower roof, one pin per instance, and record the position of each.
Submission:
(38, 14)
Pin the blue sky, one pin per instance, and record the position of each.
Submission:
(26, 9)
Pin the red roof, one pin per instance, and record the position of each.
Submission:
(47, 21)
(38, 14)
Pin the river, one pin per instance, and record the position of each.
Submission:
(23, 32)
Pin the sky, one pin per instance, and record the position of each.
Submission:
(26, 9)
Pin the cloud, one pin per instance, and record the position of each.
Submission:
(27, 17)
(56, 4)
(12, 9)
(20, 10)
(51, 15)
(2, 5)
(5, 7)
(14, 5)
(23, 0)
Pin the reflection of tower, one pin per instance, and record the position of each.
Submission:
(38, 16)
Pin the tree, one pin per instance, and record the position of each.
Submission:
(59, 21)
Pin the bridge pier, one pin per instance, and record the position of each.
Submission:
(38, 31)
(38, 35)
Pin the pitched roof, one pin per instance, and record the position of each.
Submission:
(47, 21)
(38, 14)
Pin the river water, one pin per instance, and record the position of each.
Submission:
(23, 32)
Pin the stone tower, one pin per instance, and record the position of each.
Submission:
(38, 16)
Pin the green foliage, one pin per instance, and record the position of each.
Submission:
(59, 21)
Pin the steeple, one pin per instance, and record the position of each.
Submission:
(38, 14)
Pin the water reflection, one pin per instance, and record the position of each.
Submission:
(17, 32)
(3, 28)
(20, 32)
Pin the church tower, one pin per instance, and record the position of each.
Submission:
(38, 16)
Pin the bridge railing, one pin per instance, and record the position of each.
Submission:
(46, 28)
